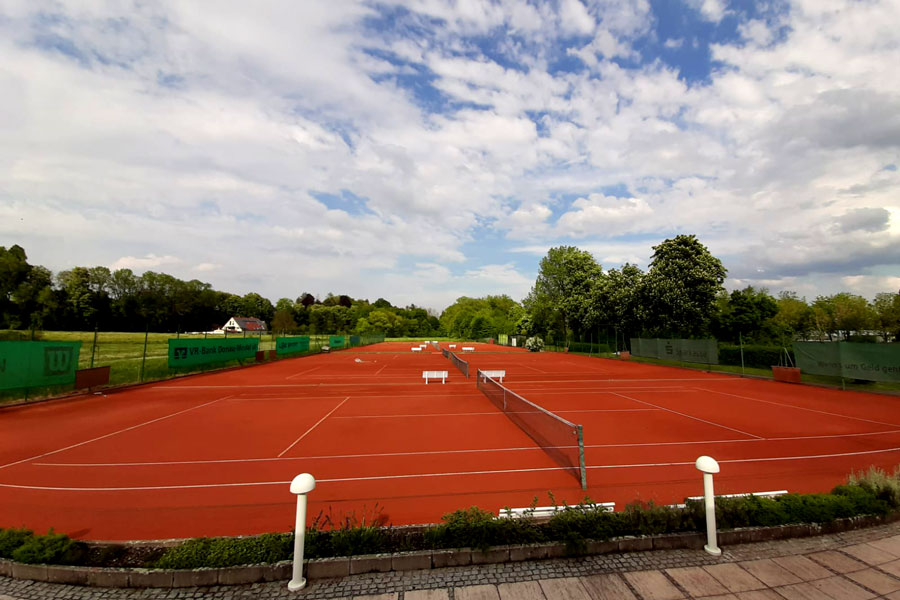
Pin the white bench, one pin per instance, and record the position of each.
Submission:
(416, 348)
(468, 348)
(499, 375)
(326, 349)
(549, 511)
(426, 375)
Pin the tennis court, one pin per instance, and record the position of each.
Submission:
(213, 454)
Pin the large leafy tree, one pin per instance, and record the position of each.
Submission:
(744, 315)
(680, 289)
(887, 315)
(617, 301)
(564, 291)
(794, 318)
(481, 317)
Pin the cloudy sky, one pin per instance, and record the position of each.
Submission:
(427, 149)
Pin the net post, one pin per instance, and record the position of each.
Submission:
(581, 466)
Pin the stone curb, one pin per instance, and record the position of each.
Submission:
(321, 568)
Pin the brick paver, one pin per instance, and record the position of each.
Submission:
(869, 554)
(565, 588)
(696, 581)
(802, 567)
(842, 589)
(800, 591)
(837, 561)
(477, 592)
(770, 572)
(521, 590)
(608, 587)
(733, 577)
(880, 583)
(427, 595)
(653, 585)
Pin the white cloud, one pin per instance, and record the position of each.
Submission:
(599, 213)
(144, 263)
(282, 148)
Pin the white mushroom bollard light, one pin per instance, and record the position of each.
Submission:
(301, 485)
(708, 466)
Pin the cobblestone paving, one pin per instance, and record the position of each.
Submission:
(873, 556)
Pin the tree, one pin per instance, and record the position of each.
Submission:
(617, 300)
(887, 315)
(283, 321)
(744, 314)
(841, 314)
(14, 270)
(794, 319)
(254, 305)
(564, 289)
(680, 288)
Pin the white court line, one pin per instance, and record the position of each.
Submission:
(749, 460)
(313, 427)
(823, 412)
(448, 474)
(498, 414)
(475, 451)
(690, 417)
(303, 372)
(113, 433)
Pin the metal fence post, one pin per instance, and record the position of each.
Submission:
(93, 347)
(144, 357)
(301, 485)
(708, 466)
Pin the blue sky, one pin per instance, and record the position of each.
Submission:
(429, 149)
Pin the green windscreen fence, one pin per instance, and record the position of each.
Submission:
(291, 345)
(37, 364)
(336, 341)
(187, 353)
(694, 351)
(872, 362)
(355, 340)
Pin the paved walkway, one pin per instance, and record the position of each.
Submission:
(854, 565)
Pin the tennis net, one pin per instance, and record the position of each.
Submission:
(561, 440)
(462, 365)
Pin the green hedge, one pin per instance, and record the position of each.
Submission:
(873, 493)
(762, 357)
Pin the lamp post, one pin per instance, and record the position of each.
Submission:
(708, 466)
(301, 485)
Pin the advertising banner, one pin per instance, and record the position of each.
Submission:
(187, 353)
(37, 364)
(872, 362)
(693, 351)
(291, 345)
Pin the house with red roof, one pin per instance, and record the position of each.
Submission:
(244, 324)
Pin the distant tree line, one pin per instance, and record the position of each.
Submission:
(682, 295)
(82, 298)
(573, 298)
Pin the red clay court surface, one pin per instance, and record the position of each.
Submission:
(214, 454)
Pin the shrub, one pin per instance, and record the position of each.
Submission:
(535, 344)
(226, 552)
(11, 539)
(53, 548)
(477, 528)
